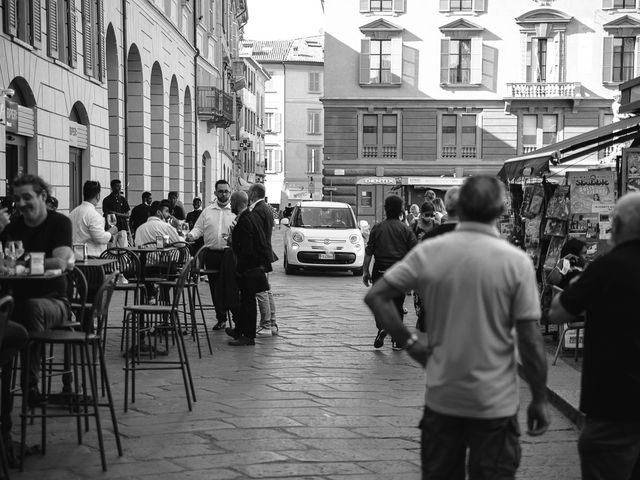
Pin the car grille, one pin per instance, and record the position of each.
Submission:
(341, 258)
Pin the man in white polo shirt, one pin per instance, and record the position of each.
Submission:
(481, 299)
(88, 224)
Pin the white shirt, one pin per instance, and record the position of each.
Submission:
(88, 228)
(213, 222)
(154, 226)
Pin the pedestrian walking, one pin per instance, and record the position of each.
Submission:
(481, 298)
(266, 303)
(605, 294)
(426, 222)
(115, 203)
(389, 241)
(213, 225)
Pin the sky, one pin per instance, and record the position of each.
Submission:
(283, 19)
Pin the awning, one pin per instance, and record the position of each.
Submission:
(560, 152)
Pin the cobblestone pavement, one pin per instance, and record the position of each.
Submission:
(316, 402)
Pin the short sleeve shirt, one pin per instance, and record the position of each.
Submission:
(608, 291)
(475, 287)
(116, 204)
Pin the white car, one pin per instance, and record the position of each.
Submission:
(323, 235)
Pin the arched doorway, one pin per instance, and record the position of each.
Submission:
(176, 170)
(159, 167)
(20, 155)
(190, 187)
(116, 163)
(78, 153)
(136, 142)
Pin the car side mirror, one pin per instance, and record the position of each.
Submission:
(285, 222)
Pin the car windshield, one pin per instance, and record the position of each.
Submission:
(323, 217)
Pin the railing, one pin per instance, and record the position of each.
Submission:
(529, 148)
(449, 151)
(215, 105)
(374, 151)
(370, 151)
(545, 90)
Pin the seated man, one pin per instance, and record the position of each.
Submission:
(39, 304)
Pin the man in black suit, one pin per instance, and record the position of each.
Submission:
(251, 249)
(264, 214)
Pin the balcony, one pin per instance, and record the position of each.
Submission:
(215, 106)
(544, 91)
(379, 151)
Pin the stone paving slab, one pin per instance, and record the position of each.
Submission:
(316, 402)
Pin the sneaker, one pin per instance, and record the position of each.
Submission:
(263, 330)
(274, 329)
(379, 341)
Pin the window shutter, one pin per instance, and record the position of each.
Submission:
(444, 6)
(528, 59)
(607, 4)
(36, 23)
(444, 61)
(607, 57)
(52, 29)
(636, 67)
(73, 46)
(398, 5)
(87, 37)
(309, 159)
(365, 61)
(101, 64)
(478, 5)
(278, 161)
(476, 60)
(552, 59)
(278, 122)
(396, 60)
(365, 6)
(10, 17)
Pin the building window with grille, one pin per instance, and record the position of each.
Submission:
(380, 66)
(619, 4)
(623, 56)
(273, 160)
(379, 136)
(314, 159)
(461, 6)
(460, 61)
(541, 57)
(272, 122)
(382, 6)
(459, 136)
(381, 55)
(314, 120)
(461, 56)
(538, 131)
(314, 82)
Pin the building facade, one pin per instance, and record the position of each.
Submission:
(136, 90)
(293, 123)
(421, 94)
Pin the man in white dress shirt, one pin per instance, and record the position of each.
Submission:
(156, 225)
(88, 224)
(214, 224)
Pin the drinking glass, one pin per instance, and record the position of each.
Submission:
(111, 219)
(10, 250)
(185, 228)
(18, 248)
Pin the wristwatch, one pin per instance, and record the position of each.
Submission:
(411, 341)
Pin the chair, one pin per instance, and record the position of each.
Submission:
(142, 323)
(577, 326)
(6, 307)
(87, 355)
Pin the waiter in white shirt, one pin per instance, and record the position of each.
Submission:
(214, 224)
(87, 224)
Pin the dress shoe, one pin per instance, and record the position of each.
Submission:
(242, 341)
(220, 325)
(379, 341)
(231, 332)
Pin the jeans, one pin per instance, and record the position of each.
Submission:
(377, 273)
(610, 450)
(267, 308)
(493, 445)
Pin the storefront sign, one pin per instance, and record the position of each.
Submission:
(377, 181)
(435, 181)
(11, 116)
(77, 135)
(591, 189)
(338, 171)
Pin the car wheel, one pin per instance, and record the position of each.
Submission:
(288, 269)
(358, 272)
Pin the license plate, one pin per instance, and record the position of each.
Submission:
(326, 256)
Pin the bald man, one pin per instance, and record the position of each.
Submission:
(607, 292)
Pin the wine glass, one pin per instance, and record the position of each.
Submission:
(9, 250)
(111, 219)
(18, 248)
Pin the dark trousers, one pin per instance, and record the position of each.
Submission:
(377, 273)
(15, 338)
(212, 261)
(493, 445)
(246, 314)
(610, 450)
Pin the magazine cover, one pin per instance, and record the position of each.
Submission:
(537, 199)
(559, 204)
(631, 170)
(526, 200)
(555, 227)
(591, 190)
(581, 223)
(553, 253)
(532, 233)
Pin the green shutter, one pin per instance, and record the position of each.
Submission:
(11, 20)
(73, 46)
(52, 28)
(101, 63)
(444, 6)
(87, 37)
(396, 60)
(476, 60)
(365, 61)
(365, 6)
(398, 6)
(36, 23)
(607, 59)
(444, 61)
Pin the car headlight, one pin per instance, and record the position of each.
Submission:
(297, 237)
(354, 238)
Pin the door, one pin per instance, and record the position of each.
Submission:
(370, 201)
(16, 159)
(75, 177)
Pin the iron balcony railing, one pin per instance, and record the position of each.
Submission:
(216, 106)
(544, 90)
